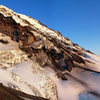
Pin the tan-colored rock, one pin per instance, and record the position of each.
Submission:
(11, 57)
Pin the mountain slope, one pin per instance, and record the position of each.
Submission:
(41, 62)
(36, 36)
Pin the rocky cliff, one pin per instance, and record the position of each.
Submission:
(46, 46)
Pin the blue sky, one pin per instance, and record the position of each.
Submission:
(79, 20)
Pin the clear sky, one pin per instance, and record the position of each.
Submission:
(79, 20)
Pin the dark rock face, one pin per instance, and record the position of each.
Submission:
(17, 32)
(3, 41)
(78, 58)
(11, 94)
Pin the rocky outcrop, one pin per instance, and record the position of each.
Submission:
(7, 93)
(11, 57)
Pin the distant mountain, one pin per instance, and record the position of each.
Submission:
(41, 62)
